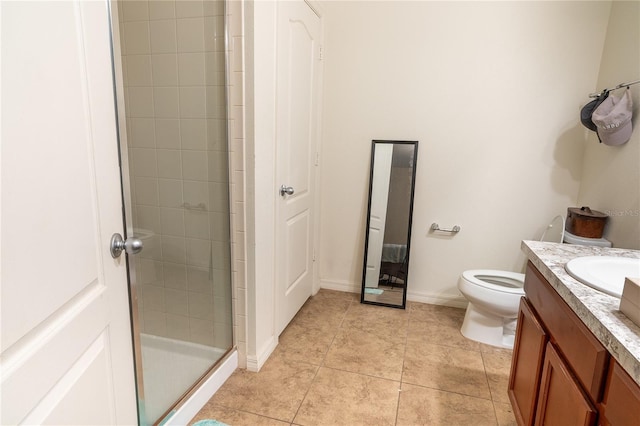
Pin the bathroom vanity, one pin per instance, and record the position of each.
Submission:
(576, 358)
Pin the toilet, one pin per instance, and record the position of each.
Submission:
(494, 295)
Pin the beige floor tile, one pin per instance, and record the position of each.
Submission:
(276, 391)
(440, 334)
(445, 368)
(343, 398)
(234, 417)
(306, 343)
(323, 312)
(436, 314)
(382, 321)
(342, 295)
(373, 311)
(498, 366)
(424, 406)
(495, 349)
(368, 353)
(504, 413)
(355, 350)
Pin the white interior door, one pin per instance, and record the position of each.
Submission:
(378, 212)
(66, 341)
(298, 44)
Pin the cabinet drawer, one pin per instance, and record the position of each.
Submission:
(621, 402)
(577, 344)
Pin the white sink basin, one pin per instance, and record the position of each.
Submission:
(604, 273)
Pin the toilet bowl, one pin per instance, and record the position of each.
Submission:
(494, 298)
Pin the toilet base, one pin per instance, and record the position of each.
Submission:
(487, 328)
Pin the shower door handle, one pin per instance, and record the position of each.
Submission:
(286, 190)
(130, 245)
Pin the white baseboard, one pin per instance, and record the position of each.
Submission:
(255, 362)
(203, 394)
(438, 299)
(346, 286)
(422, 297)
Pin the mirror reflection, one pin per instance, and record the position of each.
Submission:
(386, 254)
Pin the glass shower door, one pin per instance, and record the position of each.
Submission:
(174, 87)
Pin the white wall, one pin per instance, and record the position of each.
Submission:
(611, 176)
(492, 90)
(260, 36)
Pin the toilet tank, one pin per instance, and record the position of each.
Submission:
(569, 238)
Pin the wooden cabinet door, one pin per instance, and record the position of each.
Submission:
(579, 347)
(526, 364)
(561, 399)
(621, 402)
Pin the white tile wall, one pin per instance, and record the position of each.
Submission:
(191, 68)
(139, 70)
(165, 69)
(140, 102)
(162, 10)
(167, 133)
(146, 191)
(174, 72)
(177, 326)
(143, 133)
(174, 249)
(195, 165)
(172, 221)
(175, 276)
(196, 224)
(193, 102)
(170, 192)
(165, 102)
(189, 9)
(163, 36)
(136, 35)
(190, 35)
(169, 163)
(193, 134)
(135, 11)
(235, 20)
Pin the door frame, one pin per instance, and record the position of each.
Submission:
(260, 179)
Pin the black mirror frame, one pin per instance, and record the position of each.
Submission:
(366, 240)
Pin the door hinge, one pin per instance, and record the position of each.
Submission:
(320, 53)
(317, 160)
(313, 255)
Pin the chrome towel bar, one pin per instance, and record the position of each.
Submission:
(436, 227)
(200, 206)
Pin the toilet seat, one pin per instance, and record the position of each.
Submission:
(502, 281)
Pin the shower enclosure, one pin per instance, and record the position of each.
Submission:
(174, 83)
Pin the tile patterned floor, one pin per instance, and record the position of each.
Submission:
(342, 363)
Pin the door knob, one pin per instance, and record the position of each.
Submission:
(131, 245)
(286, 190)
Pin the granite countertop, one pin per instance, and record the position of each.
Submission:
(599, 311)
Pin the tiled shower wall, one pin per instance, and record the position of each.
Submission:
(235, 19)
(174, 78)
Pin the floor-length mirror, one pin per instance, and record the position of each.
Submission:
(174, 83)
(388, 232)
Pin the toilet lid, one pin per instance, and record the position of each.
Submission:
(504, 281)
